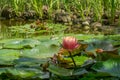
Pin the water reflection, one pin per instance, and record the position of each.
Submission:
(5, 32)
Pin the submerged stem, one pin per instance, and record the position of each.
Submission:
(72, 59)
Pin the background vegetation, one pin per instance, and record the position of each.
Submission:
(85, 8)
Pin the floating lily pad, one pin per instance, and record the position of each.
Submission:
(111, 67)
(13, 44)
(22, 29)
(21, 72)
(79, 60)
(66, 72)
(26, 62)
(44, 50)
(97, 44)
(7, 56)
(60, 71)
(18, 44)
(30, 43)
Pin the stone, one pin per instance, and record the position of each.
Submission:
(64, 19)
(85, 23)
(68, 18)
(76, 21)
(29, 15)
(96, 24)
(61, 16)
(86, 28)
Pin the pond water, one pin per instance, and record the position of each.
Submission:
(5, 32)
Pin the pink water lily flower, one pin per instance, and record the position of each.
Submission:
(70, 43)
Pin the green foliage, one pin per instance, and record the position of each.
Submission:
(79, 60)
(44, 50)
(65, 72)
(84, 8)
(105, 45)
(56, 28)
(8, 56)
(110, 66)
(26, 59)
(37, 6)
(18, 44)
(33, 29)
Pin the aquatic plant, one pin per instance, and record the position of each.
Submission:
(31, 58)
(38, 28)
(70, 43)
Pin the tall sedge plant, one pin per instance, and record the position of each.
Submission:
(113, 10)
(58, 4)
(110, 7)
(53, 4)
(106, 5)
(97, 9)
(18, 5)
(88, 7)
(37, 6)
(79, 6)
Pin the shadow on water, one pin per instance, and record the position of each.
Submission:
(5, 32)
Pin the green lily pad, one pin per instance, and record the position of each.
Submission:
(96, 76)
(80, 71)
(18, 44)
(26, 62)
(111, 67)
(60, 71)
(7, 56)
(66, 72)
(22, 29)
(13, 44)
(44, 50)
(21, 72)
(30, 43)
(79, 60)
(97, 44)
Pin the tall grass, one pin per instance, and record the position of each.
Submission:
(84, 7)
(37, 6)
(113, 10)
(97, 9)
